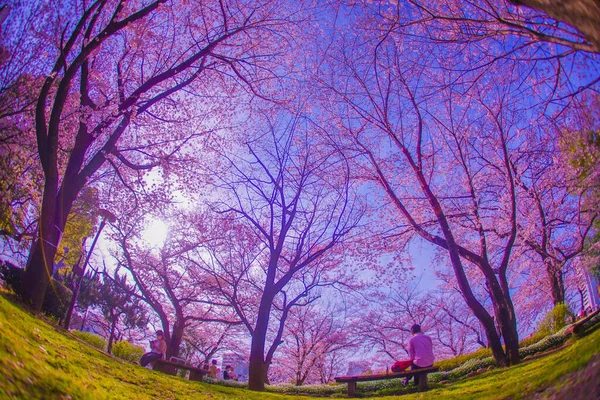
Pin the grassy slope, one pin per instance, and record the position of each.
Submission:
(36, 361)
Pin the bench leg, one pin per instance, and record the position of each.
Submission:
(351, 389)
(167, 369)
(422, 382)
(195, 376)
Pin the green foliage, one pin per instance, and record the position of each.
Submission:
(451, 363)
(116, 301)
(81, 224)
(11, 275)
(95, 340)
(584, 153)
(127, 351)
(554, 340)
(471, 365)
(534, 338)
(21, 176)
(308, 390)
(89, 291)
(56, 299)
(556, 319)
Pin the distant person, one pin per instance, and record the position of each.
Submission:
(213, 370)
(158, 350)
(420, 350)
(228, 374)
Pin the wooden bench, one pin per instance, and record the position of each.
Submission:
(421, 373)
(578, 327)
(171, 367)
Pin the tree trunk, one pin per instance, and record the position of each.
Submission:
(507, 320)
(556, 281)
(84, 318)
(175, 340)
(486, 320)
(258, 367)
(37, 275)
(55, 209)
(111, 337)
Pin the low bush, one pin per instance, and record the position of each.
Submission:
(127, 351)
(533, 338)
(312, 390)
(451, 363)
(471, 365)
(57, 298)
(556, 319)
(549, 342)
(96, 341)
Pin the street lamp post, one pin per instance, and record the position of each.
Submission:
(106, 215)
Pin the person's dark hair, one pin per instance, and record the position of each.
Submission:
(214, 362)
(416, 328)
(160, 333)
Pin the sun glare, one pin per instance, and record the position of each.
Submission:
(155, 232)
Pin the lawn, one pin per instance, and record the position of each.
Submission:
(39, 361)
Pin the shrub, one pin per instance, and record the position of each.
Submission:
(312, 390)
(451, 363)
(96, 341)
(551, 341)
(56, 300)
(471, 365)
(11, 275)
(533, 338)
(556, 319)
(127, 351)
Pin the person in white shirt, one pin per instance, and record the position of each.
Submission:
(420, 350)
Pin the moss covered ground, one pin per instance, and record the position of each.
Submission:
(39, 361)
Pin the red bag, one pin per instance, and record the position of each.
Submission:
(400, 366)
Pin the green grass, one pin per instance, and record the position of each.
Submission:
(38, 361)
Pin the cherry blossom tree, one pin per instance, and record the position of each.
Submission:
(287, 210)
(555, 223)
(580, 152)
(385, 323)
(163, 279)
(314, 335)
(111, 67)
(582, 15)
(204, 340)
(444, 159)
(476, 41)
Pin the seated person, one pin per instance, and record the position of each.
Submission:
(158, 350)
(213, 370)
(228, 374)
(420, 349)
